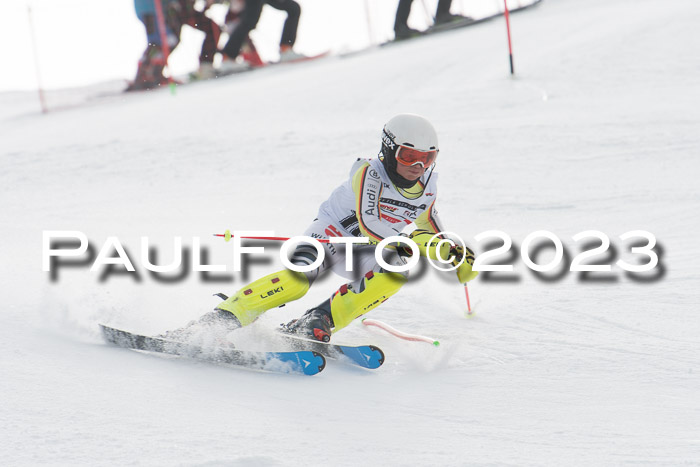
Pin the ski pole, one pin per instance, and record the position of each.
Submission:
(399, 334)
(510, 47)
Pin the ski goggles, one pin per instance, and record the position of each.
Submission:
(409, 156)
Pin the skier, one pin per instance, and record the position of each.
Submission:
(442, 15)
(248, 52)
(249, 20)
(149, 73)
(380, 198)
(176, 13)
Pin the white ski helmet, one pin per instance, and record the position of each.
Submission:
(409, 131)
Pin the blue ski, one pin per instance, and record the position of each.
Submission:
(367, 356)
(305, 361)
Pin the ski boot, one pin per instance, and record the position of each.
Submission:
(250, 54)
(404, 32)
(287, 54)
(206, 71)
(315, 324)
(149, 74)
(215, 325)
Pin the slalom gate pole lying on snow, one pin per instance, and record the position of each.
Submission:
(160, 18)
(399, 334)
(510, 47)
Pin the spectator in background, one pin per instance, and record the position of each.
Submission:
(248, 52)
(198, 20)
(150, 68)
(248, 21)
(176, 13)
(442, 15)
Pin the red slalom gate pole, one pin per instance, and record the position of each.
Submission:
(160, 18)
(469, 305)
(227, 236)
(510, 45)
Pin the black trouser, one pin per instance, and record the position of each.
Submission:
(251, 16)
(404, 10)
(211, 30)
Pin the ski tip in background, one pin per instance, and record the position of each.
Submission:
(461, 23)
(304, 58)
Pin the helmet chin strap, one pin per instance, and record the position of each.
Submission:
(432, 168)
(427, 180)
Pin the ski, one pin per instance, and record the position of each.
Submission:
(193, 78)
(458, 24)
(303, 58)
(470, 22)
(304, 361)
(366, 356)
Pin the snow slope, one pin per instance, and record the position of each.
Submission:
(598, 130)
